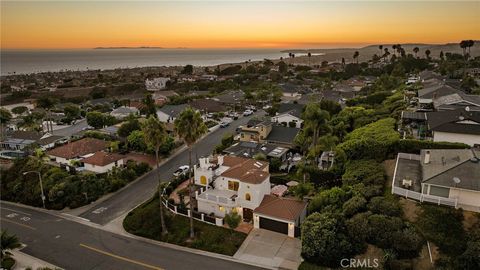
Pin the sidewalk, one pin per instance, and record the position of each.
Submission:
(25, 261)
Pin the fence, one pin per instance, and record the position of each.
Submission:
(196, 215)
(424, 197)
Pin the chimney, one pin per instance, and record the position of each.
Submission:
(427, 157)
(220, 160)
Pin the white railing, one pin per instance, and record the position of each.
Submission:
(196, 215)
(424, 197)
(203, 195)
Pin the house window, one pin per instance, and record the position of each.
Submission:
(203, 180)
(233, 185)
(247, 197)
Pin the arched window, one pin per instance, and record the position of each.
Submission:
(247, 197)
(203, 180)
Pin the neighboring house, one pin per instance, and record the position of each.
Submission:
(250, 149)
(266, 132)
(19, 139)
(443, 176)
(49, 142)
(232, 184)
(76, 150)
(123, 112)
(289, 112)
(156, 84)
(230, 98)
(207, 105)
(290, 90)
(102, 162)
(327, 159)
(169, 113)
(457, 101)
(455, 126)
(283, 215)
(162, 97)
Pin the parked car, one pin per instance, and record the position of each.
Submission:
(266, 107)
(210, 115)
(247, 112)
(251, 108)
(181, 170)
(224, 124)
(233, 115)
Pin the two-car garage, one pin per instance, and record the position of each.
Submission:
(282, 215)
(273, 225)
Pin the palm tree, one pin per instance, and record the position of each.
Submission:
(394, 47)
(155, 135)
(8, 242)
(427, 53)
(463, 45)
(416, 50)
(441, 55)
(190, 127)
(380, 47)
(309, 54)
(47, 104)
(355, 56)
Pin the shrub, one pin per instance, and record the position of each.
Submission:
(354, 205)
(384, 206)
(368, 172)
(334, 197)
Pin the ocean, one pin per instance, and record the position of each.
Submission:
(34, 61)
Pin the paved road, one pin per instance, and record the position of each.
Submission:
(69, 131)
(143, 189)
(71, 245)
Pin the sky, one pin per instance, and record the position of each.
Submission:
(230, 24)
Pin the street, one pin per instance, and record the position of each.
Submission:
(143, 189)
(69, 131)
(72, 245)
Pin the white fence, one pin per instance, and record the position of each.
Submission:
(196, 215)
(424, 197)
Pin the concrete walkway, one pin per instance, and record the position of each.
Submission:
(270, 249)
(25, 261)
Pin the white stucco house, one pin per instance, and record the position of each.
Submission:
(289, 112)
(168, 113)
(156, 84)
(102, 162)
(242, 185)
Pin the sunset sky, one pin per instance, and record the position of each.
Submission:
(230, 24)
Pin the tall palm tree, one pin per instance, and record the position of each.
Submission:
(355, 56)
(380, 47)
(309, 54)
(416, 50)
(394, 47)
(427, 53)
(155, 135)
(8, 242)
(463, 45)
(190, 127)
(47, 104)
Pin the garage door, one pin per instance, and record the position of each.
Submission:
(273, 225)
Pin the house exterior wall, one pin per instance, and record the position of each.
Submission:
(256, 191)
(466, 197)
(103, 169)
(295, 94)
(291, 224)
(469, 139)
(60, 160)
(287, 118)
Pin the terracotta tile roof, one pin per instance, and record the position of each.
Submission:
(78, 148)
(102, 158)
(245, 169)
(281, 208)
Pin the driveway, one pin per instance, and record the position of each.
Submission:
(274, 250)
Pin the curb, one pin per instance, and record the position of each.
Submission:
(132, 236)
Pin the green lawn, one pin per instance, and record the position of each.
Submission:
(145, 221)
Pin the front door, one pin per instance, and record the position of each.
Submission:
(247, 214)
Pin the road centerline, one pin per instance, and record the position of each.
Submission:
(121, 257)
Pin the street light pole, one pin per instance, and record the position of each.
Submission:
(41, 185)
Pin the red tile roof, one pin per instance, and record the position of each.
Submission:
(281, 208)
(78, 148)
(102, 158)
(245, 169)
